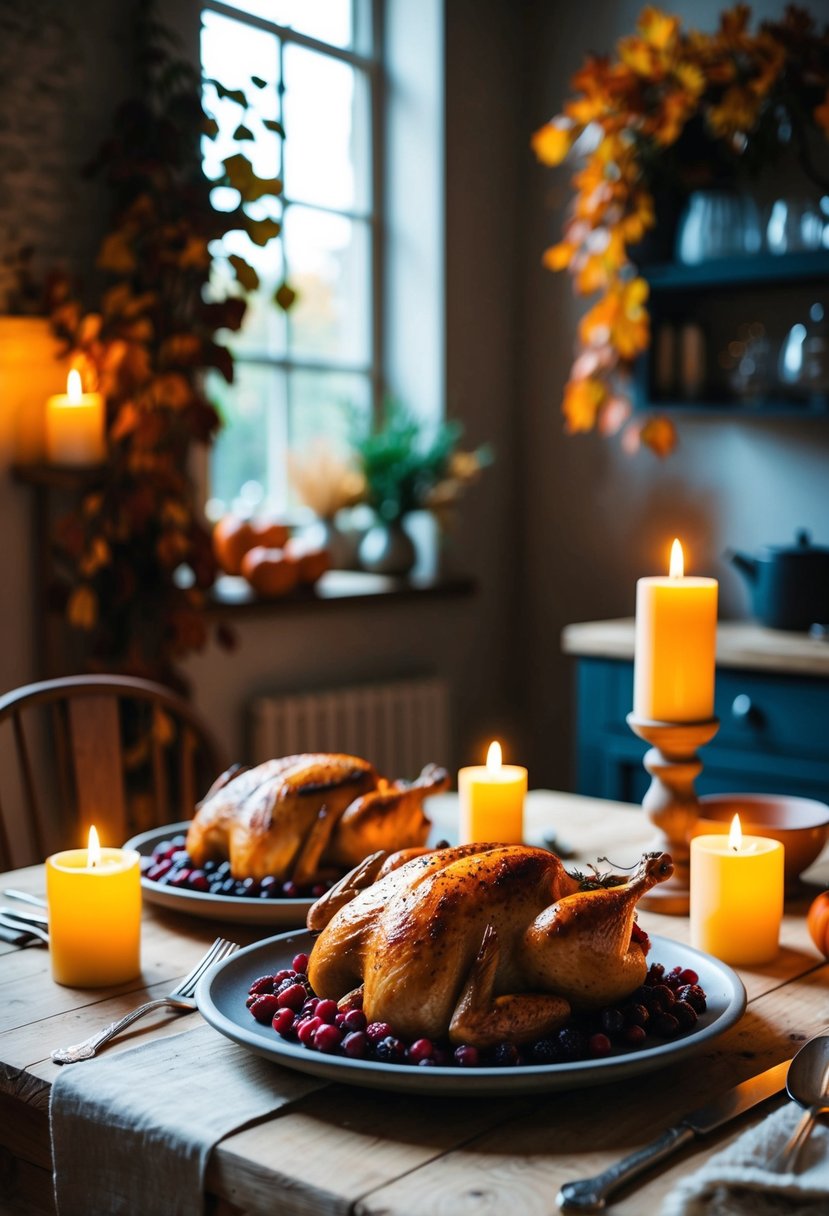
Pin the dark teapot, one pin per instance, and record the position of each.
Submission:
(789, 583)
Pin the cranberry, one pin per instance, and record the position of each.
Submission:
(310, 1006)
(467, 1056)
(180, 879)
(685, 1014)
(655, 973)
(354, 1019)
(355, 1044)
(158, 870)
(378, 1030)
(665, 1025)
(421, 1049)
(634, 1035)
(284, 974)
(290, 890)
(262, 985)
(599, 1045)
(306, 1030)
(292, 997)
(664, 996)
(283, 1022)
(264, 1008)
(300, 963)
(326, 1010)
(199, 881)
(688, 976)
(637, 1015)
(318, 889)
(327, 1038)
(694, 995)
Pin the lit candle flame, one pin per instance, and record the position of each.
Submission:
(677, 567)
(74, 387)
(93, 852)
(735, 835)
(493, 757)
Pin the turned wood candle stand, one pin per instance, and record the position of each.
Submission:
(671, 801)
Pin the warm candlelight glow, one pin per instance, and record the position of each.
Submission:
(93, 852)
(735, 835)
(493, 757)
(677, 566)
(74, 387)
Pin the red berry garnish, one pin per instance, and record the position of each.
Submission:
(300, 963)
(355, 1019)
(306, 1030)
(378, 1030)
(599, 1045)
(284, 974)
(665, 1025)
(694, 995)
(688, 976)
(634, 1035)
(283, 1021)
(327, 1038)
(421, 1049)
(685, 1014)
(326, 1011)
(467, 1056)
(292, 997)
(262, 985)
(355, 1044)
(264, 1008)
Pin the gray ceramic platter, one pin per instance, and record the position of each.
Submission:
(221, 999)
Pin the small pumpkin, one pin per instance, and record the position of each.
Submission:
(270, 535)
(268, 572)
(817, 921)
(232, 537)
(311, 561)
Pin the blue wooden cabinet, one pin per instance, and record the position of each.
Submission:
(773, 736)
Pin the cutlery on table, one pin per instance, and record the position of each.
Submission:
(591, 1194)
(181, 998)
(807, 1083)
(25, 897)
(31, 918)
(18, 924)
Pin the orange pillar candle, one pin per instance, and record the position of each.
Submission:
(94, 898)
(75, 425)
(491, 800)
(675, 646)
(736, 896)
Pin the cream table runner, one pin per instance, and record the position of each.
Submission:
(132, 1131)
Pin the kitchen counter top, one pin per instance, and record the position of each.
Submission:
(739, 644)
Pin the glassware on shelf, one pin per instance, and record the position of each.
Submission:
(748, 361)
(718, 224)
(803, 364)
(794, 225)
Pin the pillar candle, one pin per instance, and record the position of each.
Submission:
(736, 896)
(75, 425)
(491, 800)
(675, 646)
(94, 898)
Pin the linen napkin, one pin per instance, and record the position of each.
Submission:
(131, 1132)
(738, 1181)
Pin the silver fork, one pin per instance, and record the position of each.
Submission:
(180, 998)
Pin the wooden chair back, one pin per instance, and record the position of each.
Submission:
(120, 752)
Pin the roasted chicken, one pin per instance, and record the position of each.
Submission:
(479, 943)
(296, 816)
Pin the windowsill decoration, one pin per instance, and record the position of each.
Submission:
(134, 558)
(675, 110)
(408, 465)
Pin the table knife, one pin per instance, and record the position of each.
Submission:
(27, 927)
(590, 1194)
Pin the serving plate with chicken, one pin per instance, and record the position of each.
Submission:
(476, 949)
(265, 842)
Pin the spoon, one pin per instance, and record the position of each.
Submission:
(807, 1083)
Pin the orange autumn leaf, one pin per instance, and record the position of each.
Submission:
(659, 434)
(658, 29)
(82, 608)
(582, 401)
(621, 318)
(553, 141)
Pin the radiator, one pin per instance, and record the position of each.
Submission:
(398, 726)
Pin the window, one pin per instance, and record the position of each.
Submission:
(302, 373)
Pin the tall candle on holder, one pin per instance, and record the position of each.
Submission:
(676, 641)
(75, 425)
(736, 896)
(94, 898)
(491, 800)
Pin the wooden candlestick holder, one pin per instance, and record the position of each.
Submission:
(671, 801)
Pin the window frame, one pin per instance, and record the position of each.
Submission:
(374, 69)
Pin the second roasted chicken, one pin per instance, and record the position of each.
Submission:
(292, 817)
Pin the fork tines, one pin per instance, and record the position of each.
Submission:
(220, 949)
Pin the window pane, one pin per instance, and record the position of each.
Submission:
(326, 132)
(250, 449)
(332, 21)
(329, 265)
(232, 53)
(264, 328)
(329, 404)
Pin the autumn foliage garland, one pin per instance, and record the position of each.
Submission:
(629, 114)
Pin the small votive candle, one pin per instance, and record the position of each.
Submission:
(94, 899)
(491, 800)
(736, 896)
(75, 425)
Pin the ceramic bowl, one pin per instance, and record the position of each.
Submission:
(800, 824)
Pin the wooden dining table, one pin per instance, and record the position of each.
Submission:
(344, 1149)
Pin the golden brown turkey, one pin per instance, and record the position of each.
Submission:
(293, 816)
(481, 942)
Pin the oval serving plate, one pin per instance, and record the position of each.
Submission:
(222, 992)
(234, 909)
